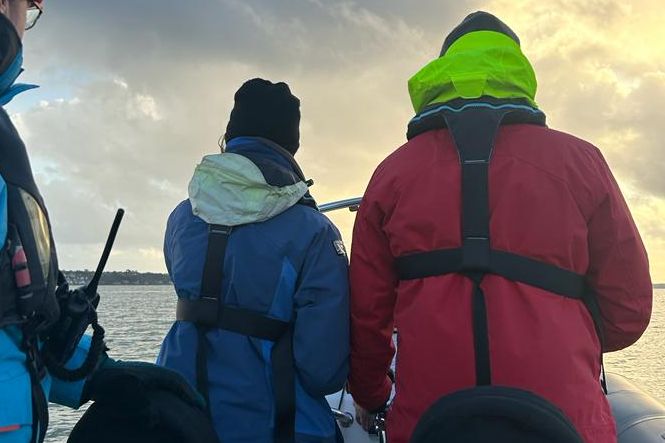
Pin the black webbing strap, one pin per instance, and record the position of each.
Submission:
(591, 303)
(40, 416)
(202, 383)
(480, 332)
(511, 266)
(211, 288)
(473, 132)
(208, 312)
(284, 388)
(211, 284)
(8, 313)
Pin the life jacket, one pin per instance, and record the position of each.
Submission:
(28, 265)
(28, 270)
(473, 126)
(209, 312)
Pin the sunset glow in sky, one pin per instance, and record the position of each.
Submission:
(135, 92)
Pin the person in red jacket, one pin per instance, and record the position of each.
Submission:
(500, 250)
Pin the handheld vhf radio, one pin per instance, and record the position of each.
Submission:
(78, 310)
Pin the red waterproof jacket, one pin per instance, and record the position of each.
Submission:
(552, 198)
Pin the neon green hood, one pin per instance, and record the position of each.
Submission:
(480, 63)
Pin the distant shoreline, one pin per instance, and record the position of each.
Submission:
(136, 278)
(118, 278)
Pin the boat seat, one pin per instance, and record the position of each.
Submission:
(494, 413)
(136, 403)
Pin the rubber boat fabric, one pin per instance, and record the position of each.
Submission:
(640, 418)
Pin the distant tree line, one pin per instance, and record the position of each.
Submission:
(128, 277)
(132, 277)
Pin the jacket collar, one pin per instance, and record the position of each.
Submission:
(11, 62)
(480, 63)
(278, 166)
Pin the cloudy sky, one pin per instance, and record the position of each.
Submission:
(135, 92)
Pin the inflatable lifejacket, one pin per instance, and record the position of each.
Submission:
(28, 264)
(29, 267)
(473, 126)
(209, 312)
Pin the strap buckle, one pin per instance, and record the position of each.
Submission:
(203, 311)
(476, 254)
(220, 229)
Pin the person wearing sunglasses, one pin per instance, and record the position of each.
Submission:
(35, 315)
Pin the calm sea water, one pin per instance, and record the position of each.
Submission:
(136, 319)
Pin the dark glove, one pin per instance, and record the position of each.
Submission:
(139, 402)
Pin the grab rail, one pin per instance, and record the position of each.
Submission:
(352, 203)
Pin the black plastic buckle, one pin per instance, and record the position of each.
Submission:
(220, 229)
(208, 310)
(476, 254)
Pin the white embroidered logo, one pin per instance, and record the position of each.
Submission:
(339, 247)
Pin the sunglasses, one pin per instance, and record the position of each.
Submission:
(35, 10)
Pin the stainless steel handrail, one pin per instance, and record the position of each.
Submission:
(351, 203)
(345, 419)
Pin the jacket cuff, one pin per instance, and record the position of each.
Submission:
(377, 403)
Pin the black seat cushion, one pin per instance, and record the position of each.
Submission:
(130, 408)
(496, 414)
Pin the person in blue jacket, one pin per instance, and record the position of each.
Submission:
(25, 387)
(262, 326)
(33, 369)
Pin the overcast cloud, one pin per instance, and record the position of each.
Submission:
(135, 92)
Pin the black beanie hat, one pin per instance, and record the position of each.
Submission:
(478, 21)
(268, 110)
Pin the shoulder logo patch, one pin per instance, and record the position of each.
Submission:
(339, 247)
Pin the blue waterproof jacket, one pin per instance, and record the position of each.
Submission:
(284, 259)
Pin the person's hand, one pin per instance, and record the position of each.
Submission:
(364, 417)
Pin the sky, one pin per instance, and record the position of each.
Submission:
(134, 93)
